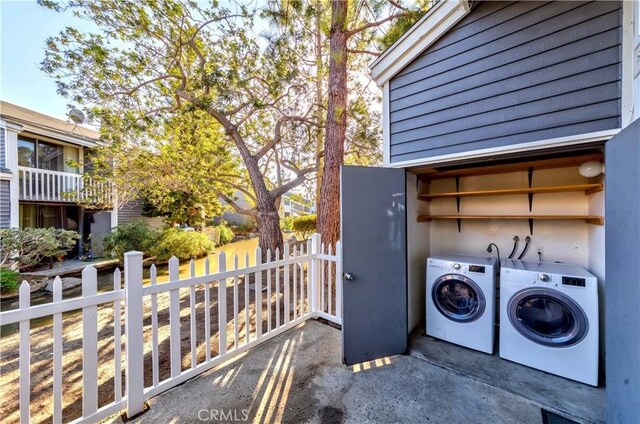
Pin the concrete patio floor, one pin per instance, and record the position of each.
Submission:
(298, 377)
(580, 402)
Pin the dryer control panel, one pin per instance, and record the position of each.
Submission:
(477, 268)
(574, 281)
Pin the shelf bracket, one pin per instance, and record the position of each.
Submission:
(530, 176)
(530, 226)
(459, 225)
(458, 198)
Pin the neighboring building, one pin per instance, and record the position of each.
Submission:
(133, 211)
(291, 207)
(38, 188)
(233, 217)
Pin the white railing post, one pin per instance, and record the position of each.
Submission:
(222, 306)
(258, 293)
(287, 283)
(339, 280)
(25, 355)
(134, 347)
(315, 272)
(174, 320)
(89, 344)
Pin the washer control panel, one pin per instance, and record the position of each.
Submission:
(477, 268)
(574, 281)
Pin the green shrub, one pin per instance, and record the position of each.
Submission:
(304, 225)
(127, 237)
(226, 234)
(182, 244)
(26, 247)
(287, 223)
(219, 234)
(213, 234)
(9, 280)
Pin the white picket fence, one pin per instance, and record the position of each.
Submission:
(265, 299)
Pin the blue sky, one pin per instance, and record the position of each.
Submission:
(24, 28)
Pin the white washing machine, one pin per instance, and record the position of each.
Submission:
(549, 318)
(460, 295)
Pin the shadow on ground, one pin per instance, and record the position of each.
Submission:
(298, 377)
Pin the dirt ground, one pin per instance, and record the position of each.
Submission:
(42, 350)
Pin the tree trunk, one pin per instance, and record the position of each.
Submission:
(319, 115)
(269, 233)
(329, 220)
(268, 220)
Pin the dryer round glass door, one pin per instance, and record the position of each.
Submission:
(458, 298)
(547, 317)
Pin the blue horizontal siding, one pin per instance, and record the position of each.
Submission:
(5, 204)
(3, 148)
(508, 73)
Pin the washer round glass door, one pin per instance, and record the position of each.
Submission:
(547, 317)
(458, 298)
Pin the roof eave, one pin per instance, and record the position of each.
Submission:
(433, 25)
(54, 134)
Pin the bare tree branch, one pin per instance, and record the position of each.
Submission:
(235, 206)
(376, 54)
(242, 190)
(376, 23)
(145, 83)
(278, 131)
(300, 177)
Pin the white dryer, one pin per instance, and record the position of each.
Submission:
(549, 318)
(460, 292)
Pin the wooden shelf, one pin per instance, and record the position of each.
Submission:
(589, 219)
(587, 188)
(427, 174)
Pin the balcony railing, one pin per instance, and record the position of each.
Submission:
(293, 208)
(55, 186)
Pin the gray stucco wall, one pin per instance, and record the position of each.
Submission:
(5, 205)
(622, 292)
(509, 73)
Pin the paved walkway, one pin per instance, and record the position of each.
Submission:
(298, 377)
(70, 267)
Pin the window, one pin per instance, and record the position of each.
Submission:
(50, 156)
(27, 152)
(45, 155)
(28, 216)
(46, 216)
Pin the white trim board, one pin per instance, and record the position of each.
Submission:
(10, 125)
(386, 126)
(433, 25)
(627, 52)
(516, 148)
(26, 133)
(58, 136)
